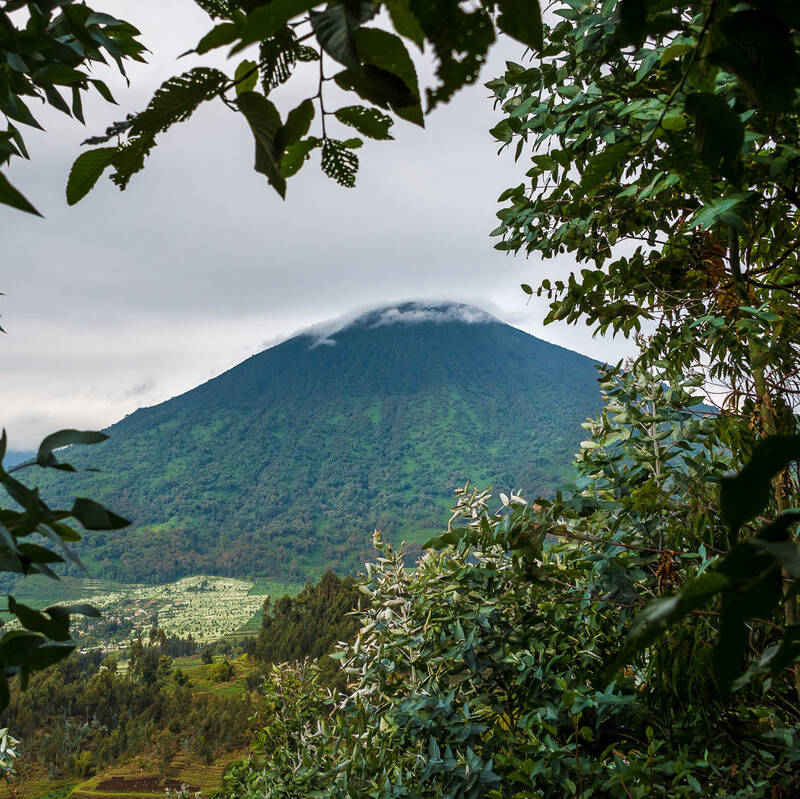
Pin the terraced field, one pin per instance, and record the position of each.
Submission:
(135, 781)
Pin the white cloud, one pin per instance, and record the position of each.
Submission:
(406, 313)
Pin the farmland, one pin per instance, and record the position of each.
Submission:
(204, 607)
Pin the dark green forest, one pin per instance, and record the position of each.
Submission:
(87, 712)
(84, 714)
(310, 625)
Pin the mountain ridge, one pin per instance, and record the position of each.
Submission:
(283, 465)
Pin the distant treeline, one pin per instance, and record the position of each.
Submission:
(83, 714)
(310, 624)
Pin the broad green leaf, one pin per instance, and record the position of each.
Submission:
(265, 122)
(266, 20)
(522, 19)
(58, 74)
(721, 211)
(93, 516)
(86, 171)
(674, 51)
(719, 134)
(382, 88)
(246, 76)
(744, 494)
(297, 154)
(386, 52)
(222, 34)
(48, 654)
(74, 610)
(36, 554)
(404, 21)
(367, 121)
(296, 126)
(17, 647)
(55, 628)
(336, 26)
(64, 438)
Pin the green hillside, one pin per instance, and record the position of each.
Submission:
(284, 465)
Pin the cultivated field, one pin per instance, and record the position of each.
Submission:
(203, 606)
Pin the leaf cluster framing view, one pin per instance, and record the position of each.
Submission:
(637, 633)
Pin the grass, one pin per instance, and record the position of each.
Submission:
(199, 675)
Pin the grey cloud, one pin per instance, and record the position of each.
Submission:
(145, 387)
(199, 264)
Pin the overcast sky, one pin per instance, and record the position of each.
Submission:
(132, 297)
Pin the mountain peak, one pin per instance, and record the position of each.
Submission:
(406, 313)
(282, 466)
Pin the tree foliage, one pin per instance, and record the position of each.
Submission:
(47, 51)
(369, 63)
(310, 625)
(479, 672)
(668, 167)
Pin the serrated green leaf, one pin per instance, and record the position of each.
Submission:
(339, 162)
(177, 99)
(367, 121)
(522, 19)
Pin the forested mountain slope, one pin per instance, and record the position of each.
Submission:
(285, 464)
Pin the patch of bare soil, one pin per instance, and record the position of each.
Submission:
(141, 785)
